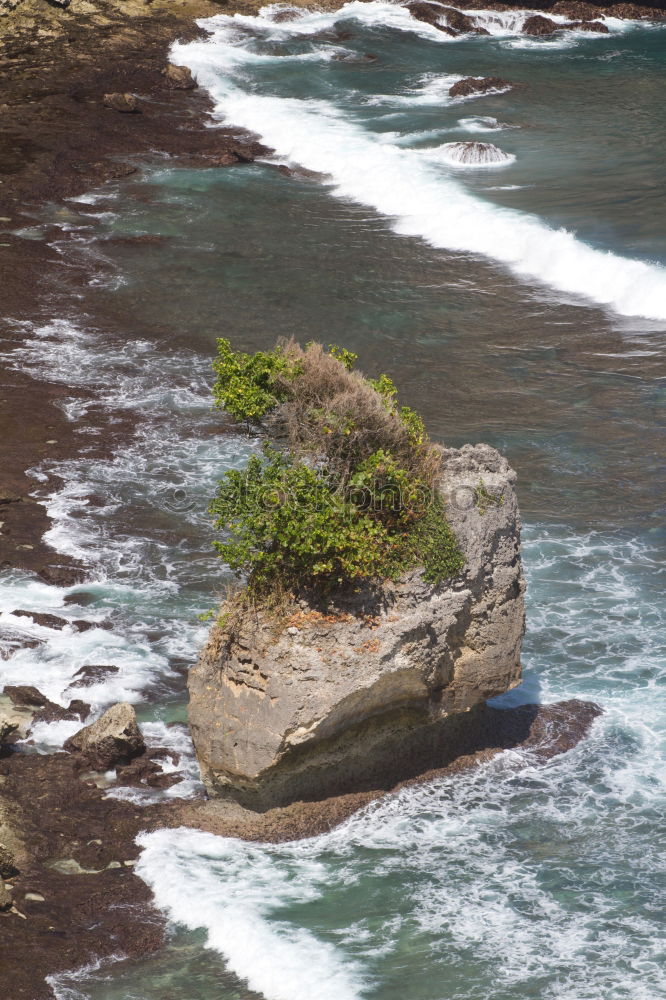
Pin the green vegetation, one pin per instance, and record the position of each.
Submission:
(484, 499)
(249, 385)
(351, 497)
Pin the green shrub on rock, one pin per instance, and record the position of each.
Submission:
(250, 385)
(352, 497)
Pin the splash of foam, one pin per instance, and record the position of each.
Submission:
(471, 154)
(232, 890)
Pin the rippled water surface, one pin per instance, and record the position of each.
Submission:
(529, 883)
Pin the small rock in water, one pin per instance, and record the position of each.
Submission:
(596, 26)
(93, 673)
(285, 14)
(61, 576)
(478, 85)
(462, 22)
(475, 153)
(25, 695)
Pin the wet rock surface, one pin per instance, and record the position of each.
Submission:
(429, 13)
(93, 673)
(125, 103)
(538, 25)
(478, 85)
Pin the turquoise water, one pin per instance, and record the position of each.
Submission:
(514, 882)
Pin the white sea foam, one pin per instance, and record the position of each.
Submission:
(177, 739)
(145, 537)
(399, 184)
(483, 123)
(232, 890)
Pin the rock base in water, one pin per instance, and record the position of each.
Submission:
(542, 731)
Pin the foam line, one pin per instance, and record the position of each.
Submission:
(421, 200)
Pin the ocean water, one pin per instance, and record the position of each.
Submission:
(520, 302)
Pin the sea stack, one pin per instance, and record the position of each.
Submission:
(378, 685)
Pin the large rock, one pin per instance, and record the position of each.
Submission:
(462, 23)
(538, 25)
(114, 739)
(429, 13)
(178, 77)
(368, 694)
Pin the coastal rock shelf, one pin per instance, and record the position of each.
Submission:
(379, 689)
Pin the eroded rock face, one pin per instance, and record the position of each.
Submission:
(359, 697)
(596, 26)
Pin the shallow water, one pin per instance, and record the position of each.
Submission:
(507, 884)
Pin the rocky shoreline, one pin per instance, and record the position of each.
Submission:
(73, 896)
(56, 64)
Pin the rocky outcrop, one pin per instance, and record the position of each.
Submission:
(179, 77)
(429, 13)
(375, 689)
(32, 706)
(450, 20)
(114, 739)
(538, 25)
(462, 23)
(478, 85)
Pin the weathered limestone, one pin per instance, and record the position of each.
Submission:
(377, 690)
